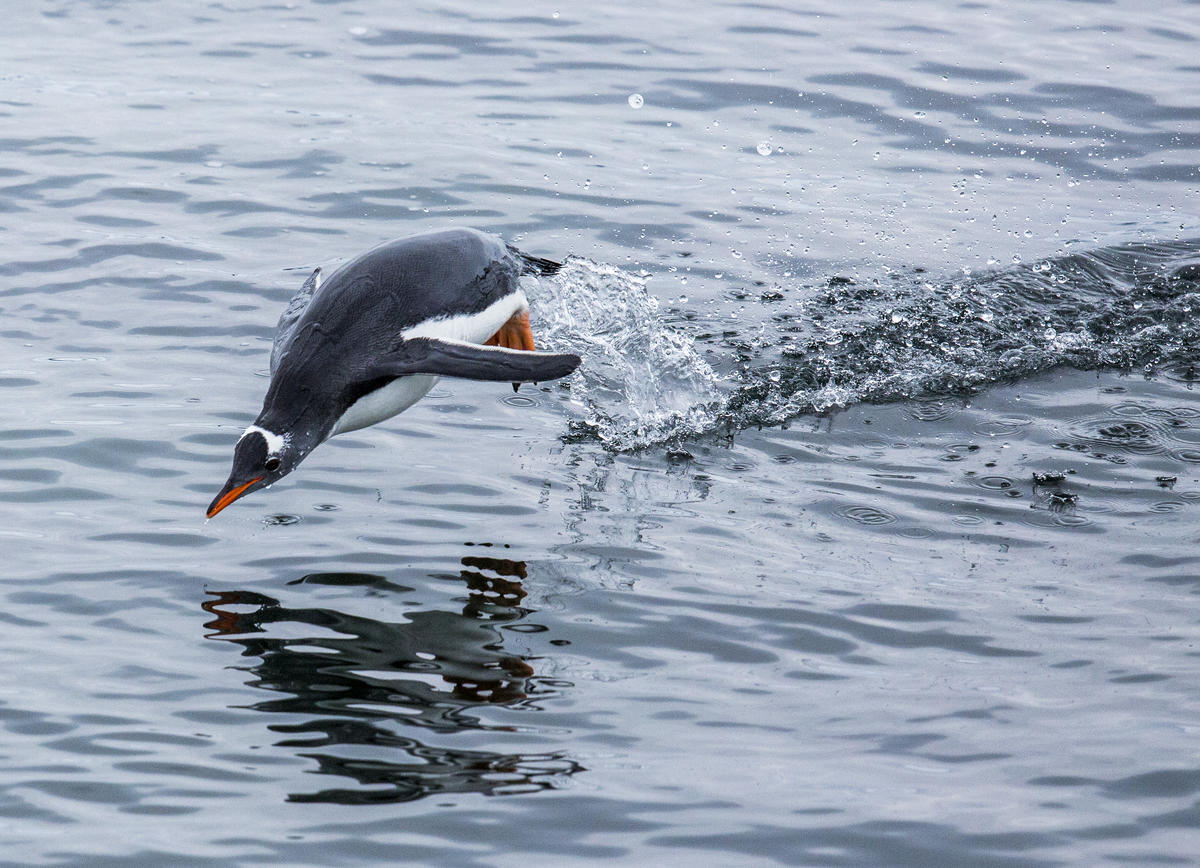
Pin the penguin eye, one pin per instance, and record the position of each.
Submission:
(272, 464)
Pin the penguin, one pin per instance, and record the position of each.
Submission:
(375, 337)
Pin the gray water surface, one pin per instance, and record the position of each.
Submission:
(864, 535)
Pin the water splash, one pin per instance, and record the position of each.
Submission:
(642, 382)
(901, 337)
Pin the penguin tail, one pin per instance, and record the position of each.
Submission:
(537, 265)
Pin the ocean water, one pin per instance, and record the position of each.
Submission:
(865, 534)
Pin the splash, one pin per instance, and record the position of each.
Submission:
(642, 381)
(902, 337)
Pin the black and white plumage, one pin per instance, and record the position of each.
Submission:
(372, 340)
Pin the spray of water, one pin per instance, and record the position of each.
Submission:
(643, 382)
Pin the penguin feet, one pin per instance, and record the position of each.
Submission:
(514, 334)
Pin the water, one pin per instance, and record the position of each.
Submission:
(863, 536)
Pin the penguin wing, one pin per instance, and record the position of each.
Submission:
(287, 322)
(472, 362)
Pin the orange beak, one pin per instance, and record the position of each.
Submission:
(228, 497)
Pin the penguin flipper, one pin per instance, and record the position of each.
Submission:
(287, 322)
(472, 362)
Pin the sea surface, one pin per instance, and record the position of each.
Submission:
(865, 535)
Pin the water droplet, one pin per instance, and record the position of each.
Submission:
(764, 149)
(636, 101)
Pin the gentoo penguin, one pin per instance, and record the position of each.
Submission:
(370, 341)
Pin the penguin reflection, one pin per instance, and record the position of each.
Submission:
(359, 685)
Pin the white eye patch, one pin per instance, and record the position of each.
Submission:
(276, 443)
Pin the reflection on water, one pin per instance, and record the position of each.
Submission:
(359, 682)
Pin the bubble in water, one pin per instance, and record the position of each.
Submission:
(764, 149)
(636, 101)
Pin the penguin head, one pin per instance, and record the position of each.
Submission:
(260, 458)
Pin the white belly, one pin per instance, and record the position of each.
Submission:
(396, 397)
